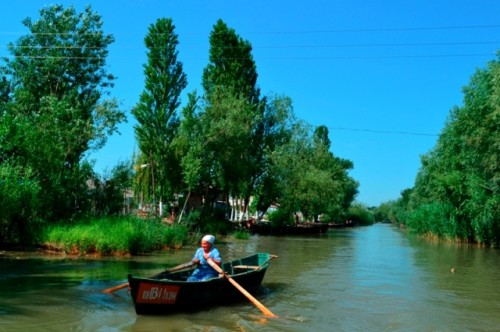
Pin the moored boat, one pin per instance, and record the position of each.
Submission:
(166, 292)
(266, 228)
(348, 223)
(310, 228)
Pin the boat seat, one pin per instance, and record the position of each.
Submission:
(246, 267)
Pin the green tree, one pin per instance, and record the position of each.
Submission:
(231, 65)
(321, 137)
(457, 187)
(190, 145)
(56, 81)
(116, 189)
(156, 112)
(234, 142)
(189, 148)
(232, 116)
(276, 131)
(311, 179)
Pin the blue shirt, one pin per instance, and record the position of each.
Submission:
(204, 271)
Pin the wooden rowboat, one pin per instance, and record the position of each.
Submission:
(167, 293)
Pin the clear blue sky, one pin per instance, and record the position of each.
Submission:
(381, 75)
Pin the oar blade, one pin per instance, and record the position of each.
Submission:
(115, 288)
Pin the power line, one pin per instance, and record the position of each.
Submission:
(307, 46)
(69, 47)
(349, 57)
(384, 45)
(395, 29)
(373, 131)
(460, 27)
(346, 57)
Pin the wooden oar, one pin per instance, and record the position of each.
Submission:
(249, 296)
(125, 284)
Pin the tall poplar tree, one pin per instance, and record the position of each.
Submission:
(233, 115)
(156, 112)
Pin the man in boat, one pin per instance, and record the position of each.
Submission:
(204, 271)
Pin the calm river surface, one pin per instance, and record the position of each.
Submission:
(362, 279)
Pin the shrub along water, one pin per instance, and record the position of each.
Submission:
(113, 235)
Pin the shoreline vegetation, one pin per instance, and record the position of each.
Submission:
(124, 236)
(113, 236)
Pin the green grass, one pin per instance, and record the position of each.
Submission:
(111, 236)
(241, 235)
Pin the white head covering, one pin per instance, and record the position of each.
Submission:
(209, 238)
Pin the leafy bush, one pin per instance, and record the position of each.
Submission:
(360, 215)
(193, 218)
(279, 217)
(241, 235)
(18, 197)
(433, 219)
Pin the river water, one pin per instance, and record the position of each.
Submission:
(372, 278)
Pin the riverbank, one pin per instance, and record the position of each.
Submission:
(110, 237)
